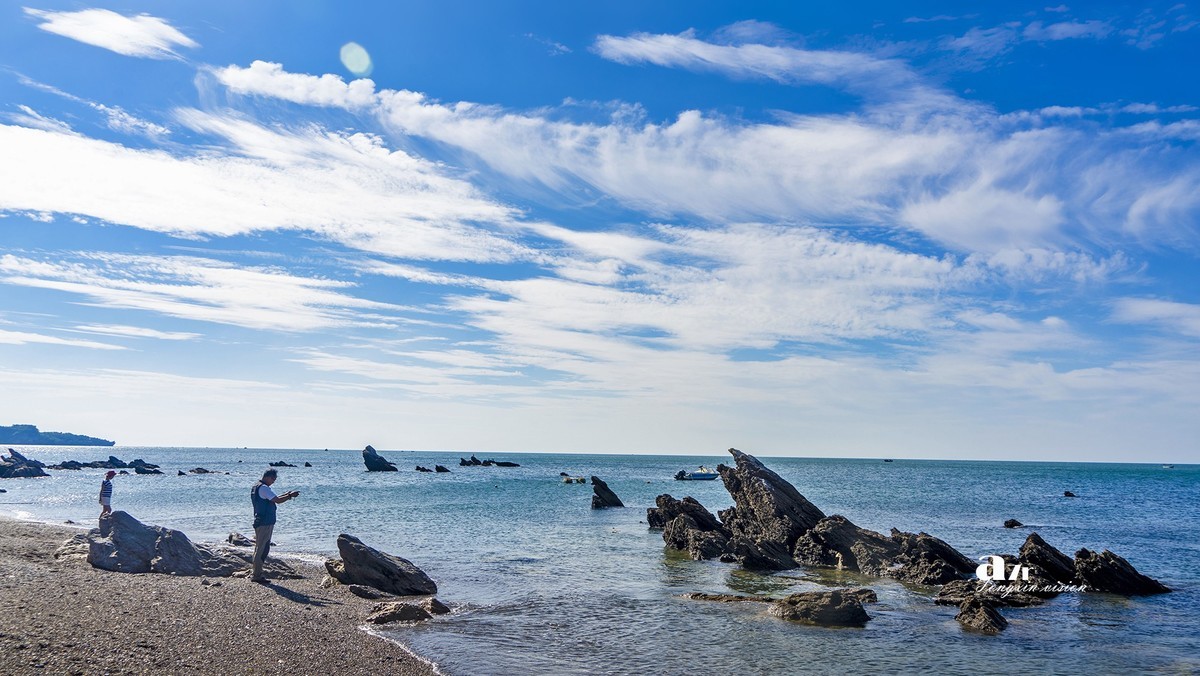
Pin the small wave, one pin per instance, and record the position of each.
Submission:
(428, 662)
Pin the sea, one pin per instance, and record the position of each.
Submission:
(540, 583)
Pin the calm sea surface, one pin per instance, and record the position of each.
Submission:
(542, 584)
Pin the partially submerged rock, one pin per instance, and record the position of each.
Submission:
(1052, 563)
(440, 469)
(17, 466)
(1107, 572)
(978, 615)
(365, 565)
(238, 540)
(837, 608)
(397, 611)
(376, 462)
(1012, 523)
(603, 496)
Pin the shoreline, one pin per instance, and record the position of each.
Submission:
(64, 616)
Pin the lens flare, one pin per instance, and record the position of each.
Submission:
(356, 59)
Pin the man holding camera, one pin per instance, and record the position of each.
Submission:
(264, 501)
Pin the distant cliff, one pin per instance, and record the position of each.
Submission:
(30, 436)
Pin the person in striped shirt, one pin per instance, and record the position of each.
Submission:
(106, 494)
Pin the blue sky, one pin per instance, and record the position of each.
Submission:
(919, 230)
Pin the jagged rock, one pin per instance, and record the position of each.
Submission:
(1012, 523)
(1107, 572)
(142, 469)
(918, 558)
(689, 527)
(123, 472)
(835, 608)
(765, 506)
(308, 464)
(924, 559)
(376, 462)
(138, 462)
(67, 464)
(368, 592)
(423, 469)
(281, 463)
(395, 611)
(125, 545)
(1069, 494)
(956, 592)
(603, 496)
(489, 463)
(434, 606)
(74, 549)
(1054, 564)
(668, 508)
(238, 540)
(113, 462)
(365, 565)
(201, 470)
(440, 469)
(181, 473)
(17, 466)
(978, 615)
(760, 554)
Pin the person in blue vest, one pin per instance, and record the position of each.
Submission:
(264, 501)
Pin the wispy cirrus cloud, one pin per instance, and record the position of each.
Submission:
(25, 338)
(202, 290)
(134, 332)
(141, 35)
(1183, 318)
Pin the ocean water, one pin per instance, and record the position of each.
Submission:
(542, 584)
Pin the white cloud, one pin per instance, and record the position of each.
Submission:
(1067, 30)
(269, 79)
(347, 188)
(26, 338)
(203, 290)
(135, 332)
(28, 117)
(141, 36)
(1183, 318)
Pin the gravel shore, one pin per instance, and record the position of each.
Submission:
(67, 617)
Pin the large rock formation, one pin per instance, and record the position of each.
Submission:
(376, 462)
(837, 608)
(689, 527)
(1052, 563)
(602, 495)
(125, 545)
(365, 565)
(17, 466)
(765, 506)
(1107, 572)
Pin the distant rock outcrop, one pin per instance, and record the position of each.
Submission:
(281, 463)
(113, 462)
(440, 469)
(602, 495)
(365, 565)
(376, 462)
(423, 469)
(1012, 523)
(17, 466)
(29, 435)
(476, 462)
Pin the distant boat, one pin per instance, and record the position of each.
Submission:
(702, 474)
(1168, 466)
(888, 460)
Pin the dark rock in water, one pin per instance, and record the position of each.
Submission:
(238, 540)
(181, 473)
(113, 462)
(563, 474)
(125, 545)
(462, 462)
(956, 592)
(376, 462)
(489, 463)
(1054, 564)
(978, 615)
(395, 611)
(123, 472)
(765, 506)
(835, 608)
(365, 592)
(201, 470)
(281, 463)
(3, 491)
(505, 463)
(365, 565)
(603, 496)
(759, 554)
(918, 558)
(423, 469)
(1107, 572)
(440, 469)
(134, 464)
(669, 509)
(142, 469)
(1012, 523)
(67, 464)
(17, 466)
(475, 461)
(1069, 494)
(308, 464)
(434, 606)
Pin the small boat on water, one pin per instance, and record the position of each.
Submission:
(702, 474)
(1168, 466)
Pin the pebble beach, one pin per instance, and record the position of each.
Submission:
(66, 617)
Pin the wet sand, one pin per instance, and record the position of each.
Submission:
(65, 617)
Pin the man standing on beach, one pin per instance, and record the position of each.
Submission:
(106, 494)
(264, 501)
